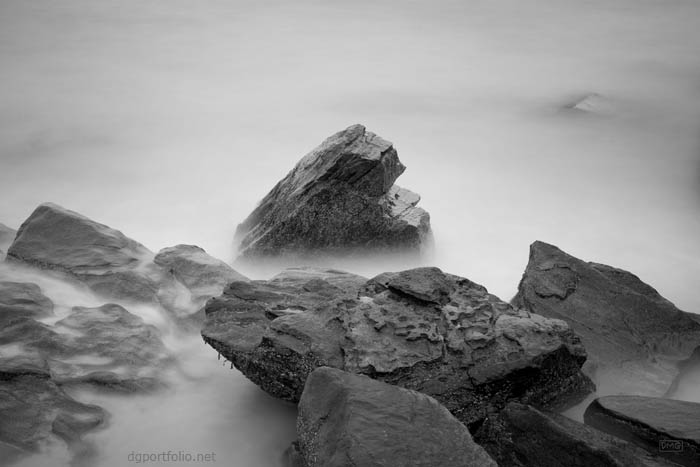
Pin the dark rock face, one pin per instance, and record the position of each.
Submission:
(666, 427)
(7, 234)
(339, 199)
(522, 436)
(204, 275)
(633, 335)
(22, 299)
(347, 419)
(420, 329)
(33, 408)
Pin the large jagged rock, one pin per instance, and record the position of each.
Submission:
(346, 419)
(420, 329)
(340, 199)
(33, 410)
(635, 338)
(23, 299)
(522, 436)
(7, 234)
(666, 427)
(204, 275)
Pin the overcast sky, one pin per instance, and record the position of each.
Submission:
(170, 119)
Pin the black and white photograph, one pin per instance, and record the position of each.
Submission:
(324, 233)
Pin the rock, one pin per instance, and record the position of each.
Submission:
(347, 419)
(105, 346)
(23, 299)
(666, 427)
(339, 200)
(591, 104)
(7, 234)
(109, 262)
(635, 338)
(420, 329)
(204, 275)
(522, 436)
(33, 409)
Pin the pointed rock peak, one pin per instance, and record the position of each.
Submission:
(339, 200)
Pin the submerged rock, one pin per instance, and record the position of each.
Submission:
(19, 299)
(340, 199)
(634, 337)
(204, 275)
(591, 104)
(105, 346)
(33, 410)
(347, 419)
(421, 329)
(7, 234)
(522, 436)
(666, 427)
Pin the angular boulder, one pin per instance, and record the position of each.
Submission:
(636, 339)
(340, 199)
(666, 427)
(421, 329)
(19, 299)
(522, 436)
(109, 262)
(346, 419)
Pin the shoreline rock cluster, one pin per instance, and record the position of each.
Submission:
(415, 367)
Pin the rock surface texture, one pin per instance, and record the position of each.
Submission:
(522, 436)
(340, 199)
(420, 329)
(636, 339)
(18, 299)
(667, 427)
(346, 419)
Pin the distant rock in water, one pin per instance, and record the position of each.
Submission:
(421, 329)
(522, 436)
(636, 339)
(593, 104)
(666, 427)
(7, 234)
(339, 200)
(352, 420)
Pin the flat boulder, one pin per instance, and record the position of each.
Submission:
(522, 436)
(347, 419)
(666, 427)
(636, 340)
(420, 329)
(23, 299)
(339, 200)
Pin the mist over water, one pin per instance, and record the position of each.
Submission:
(170, 120)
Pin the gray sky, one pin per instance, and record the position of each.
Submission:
(169, 120)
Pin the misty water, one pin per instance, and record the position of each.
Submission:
(169, 120)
